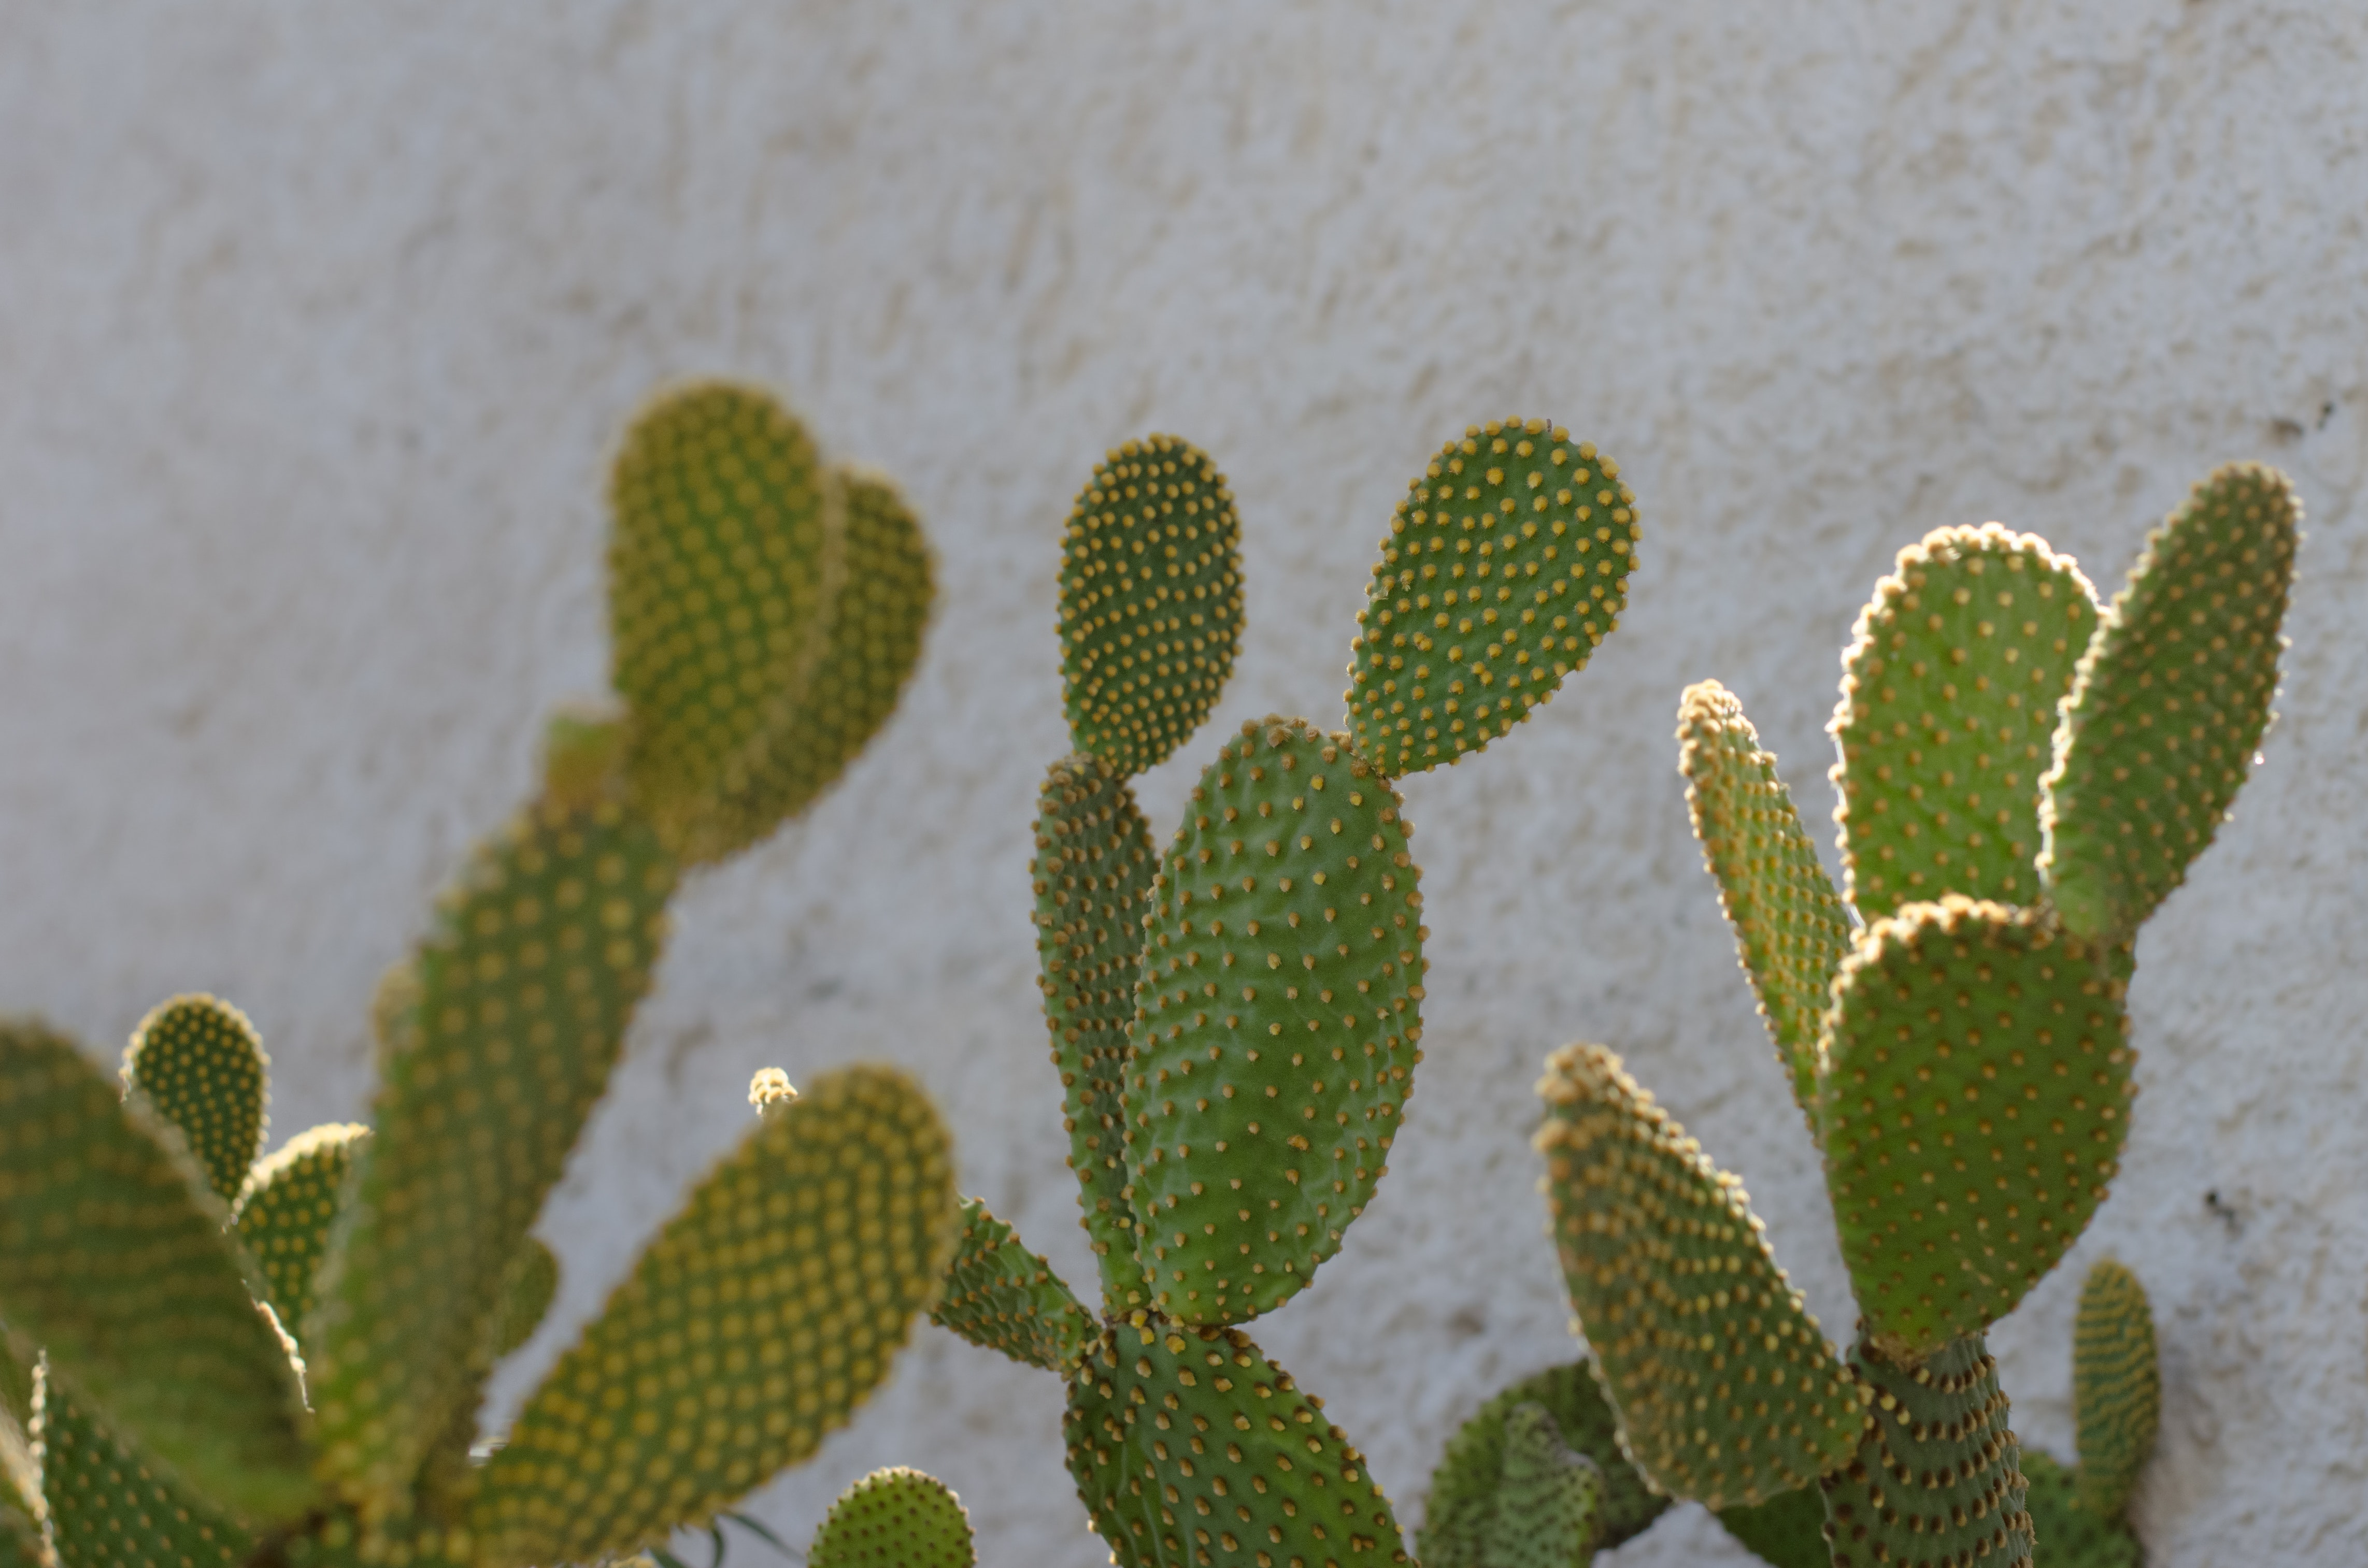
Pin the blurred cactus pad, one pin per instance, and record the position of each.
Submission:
(282, 1359)
(2024, 775)
(1236, 1020)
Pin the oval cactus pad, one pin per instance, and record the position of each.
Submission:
(1277, 1021)
(1727, 1392)
(200, 1065)
(1507, 563)
(1974, 1089)
(1948, 713)
(1151, 601)
(2171, 700)
(2116, 1386)
(1002, 1296)
(895, 1518)
(284, 1216)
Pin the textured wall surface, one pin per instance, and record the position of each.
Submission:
(316, 324)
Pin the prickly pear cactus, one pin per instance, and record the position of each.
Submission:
(895, 1518)
(201, 1066)
(1467, 1485)
(2116, 1387)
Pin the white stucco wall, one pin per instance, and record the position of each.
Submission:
(316, 323)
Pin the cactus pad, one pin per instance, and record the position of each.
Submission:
(111, 1256)
(723, 561)
(1542, 1509)
(1187, 1442)
(1726, 1391)
(1000, 1295)
(1974, 1095)
(895, 1518)
(1786, 1532)
(755, 1323)
(2171, 699)
(20, 1537)
(527, 1293)
(111, 1508)
(1151, 601)
(1935, 1482)
(2116, 1387)
(1464, 1485)
(201, 1066)
(1093, 866)
(1507, 563)
(285, 1213)
(1277, 1021)
(523, 990)
(1790, 928)
(2069, 1533)
(1947, 715)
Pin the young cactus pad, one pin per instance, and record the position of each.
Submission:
(201, 1066)
(2116, 1387)
(1151, 601)
(1277, 1021)
(1727, 1392)
(1947, 715)
(755, 1323)
(1791, 928)
(285, 1213)
(1093, 866)
(1550, 1497)
(2172, 697)
(1187, 1442)
(1507, 563)
(1466, 1484)
(1974, 1094)
(112, 1258)
(895, 1518)
(1002, 1296)
(1935, 1482)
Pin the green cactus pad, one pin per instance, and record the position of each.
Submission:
(20, 1537)
(1000, 1295)
(1727, 1393)
(1463, 1487)
(112, 1256)
(1935, 1482)
(1277, 1021)
(1545, 1510)
(1093, 868)
(725, 559)
(522, 994)
(111, 1508)
(1786, 1532)
(1507, 563)
(527, 1293)
(2172, 697)
(1949, 694)
(1188, 1443)
(755, 1323)
(895, 1518)
(1791, 928)
(2069, 1533)
(1151, 601)
(1974, 1095)
(2116, 1386)
(201, 1066)
(285, 1213)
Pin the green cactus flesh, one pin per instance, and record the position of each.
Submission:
(1001, 1296)
(1507, 563)
(724, 560)
(1151, 601)
(1935, 1481)
(112, 1256)
(1791, 928)
(20, 1537)
(519, 1007)
(1277, 1022)
(527, 1293)
(1188, 1443)
(2172, 697)
(895, 1518)
(1975, 1094)
(201, 1066)
(2116, 1387)
(109, 1507)
(2068, 1533)
(1548, 1502)
(1786, 1532)
(1093, 866)
(1464, 1488)
(1727, 1393)
(1947, 707)
(760, 1317)
(284, 1215)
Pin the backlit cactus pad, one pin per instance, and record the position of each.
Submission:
(201, 1064)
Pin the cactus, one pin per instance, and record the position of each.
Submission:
(2023, 778)
(1235, 1020)
(1478, 1474)
(895, 1518)
(768, 609)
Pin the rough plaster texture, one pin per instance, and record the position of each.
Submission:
(316, 323)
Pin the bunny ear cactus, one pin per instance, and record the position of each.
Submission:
(2116, 1387)
(2022, 779)
(1476, 1475)
(199, 1063)
(895, 1518)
